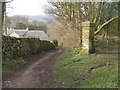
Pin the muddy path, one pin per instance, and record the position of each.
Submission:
(37, 74)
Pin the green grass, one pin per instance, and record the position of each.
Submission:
(8, 66)
(73, 74)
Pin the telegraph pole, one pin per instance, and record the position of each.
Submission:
(1, 24)
(4, 18)
(2, 14)
(1, 17)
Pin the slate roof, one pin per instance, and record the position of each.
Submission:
(29, 33)
(21, 32)
(37, 34)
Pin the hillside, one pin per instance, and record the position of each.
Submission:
(41, 18)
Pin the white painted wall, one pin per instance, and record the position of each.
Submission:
(14, 35)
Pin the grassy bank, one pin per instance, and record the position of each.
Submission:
(9, 66)
(74, 70)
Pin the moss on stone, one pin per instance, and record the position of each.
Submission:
(84, 51)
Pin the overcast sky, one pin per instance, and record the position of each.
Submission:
(26, 7)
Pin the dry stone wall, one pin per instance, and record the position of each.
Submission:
(13, 47)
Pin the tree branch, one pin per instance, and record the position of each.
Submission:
(104, 24)
(98, 12)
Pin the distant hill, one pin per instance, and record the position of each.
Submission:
(33, 22)
(43, 17)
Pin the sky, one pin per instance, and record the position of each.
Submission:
(26, 7)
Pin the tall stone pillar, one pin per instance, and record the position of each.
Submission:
(88, 37)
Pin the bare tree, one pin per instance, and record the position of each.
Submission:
(73, 13)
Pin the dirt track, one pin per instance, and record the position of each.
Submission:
(37, 74)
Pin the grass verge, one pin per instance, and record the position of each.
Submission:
(73, 70)
(11, 65)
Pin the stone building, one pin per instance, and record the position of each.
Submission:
(27, 33)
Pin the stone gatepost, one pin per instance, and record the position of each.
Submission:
(88, 37)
